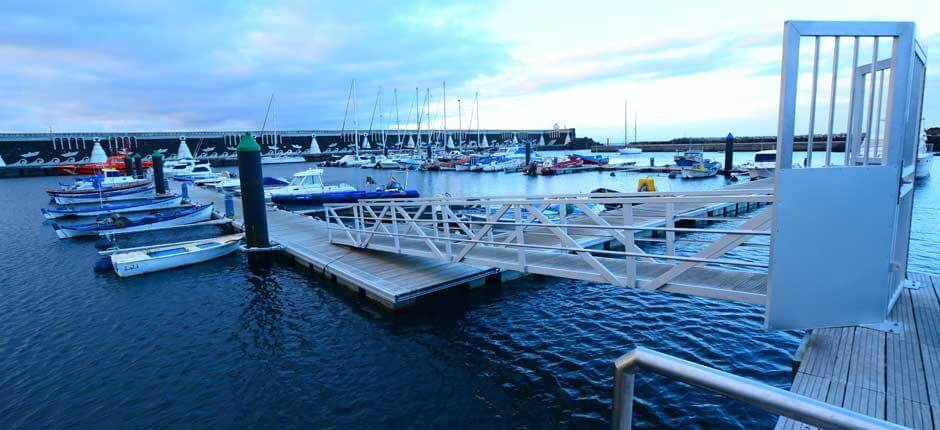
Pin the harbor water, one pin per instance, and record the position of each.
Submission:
(223, 345)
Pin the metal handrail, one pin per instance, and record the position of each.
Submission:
(763, 396)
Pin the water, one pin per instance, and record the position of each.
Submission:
(223, 345)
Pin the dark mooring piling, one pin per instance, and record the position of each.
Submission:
(138, 167)
(158, 178)
(252, 188)
(729, 154)
(528, 152)
(129, 164)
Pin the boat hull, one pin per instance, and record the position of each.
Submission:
(108, 196)
(340, 197)
(149, 265)
(160, 203)
(203, 214)
(922, 170)
(282, 160)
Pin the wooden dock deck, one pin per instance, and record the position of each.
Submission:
(893, 376)
(394, 281)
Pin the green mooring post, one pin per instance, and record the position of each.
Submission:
(158, 178)
(252, 188)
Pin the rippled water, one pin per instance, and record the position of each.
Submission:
(225, 345)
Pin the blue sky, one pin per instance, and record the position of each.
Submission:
(687, 68)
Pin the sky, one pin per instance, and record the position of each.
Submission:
(684, 68)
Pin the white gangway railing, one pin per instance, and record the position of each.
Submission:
(564, 234)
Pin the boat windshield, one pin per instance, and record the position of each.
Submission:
(311, 180)
(765, 158)
(200, 169)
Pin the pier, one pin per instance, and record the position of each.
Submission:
(395, 281)
(890, 373)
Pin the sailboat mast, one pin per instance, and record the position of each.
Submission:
(476, 97)
(625, 121)
(459, 123)
(355, 119)
(634, 127)
(444, 101)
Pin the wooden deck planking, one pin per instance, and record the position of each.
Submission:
(887, 375)
(394, 280)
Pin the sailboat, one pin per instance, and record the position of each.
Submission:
(280, 157)
(314, 146)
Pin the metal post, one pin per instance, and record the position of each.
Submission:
(871, 99)
(850, 126)
(729, 154)
(812, 107)
(832, 101)
(159, 181)
(671, 224)
(520, 237)
(229, 205)
(138, 167)
(252, 189)
(623, 400)
(128, 165)
(528, 152)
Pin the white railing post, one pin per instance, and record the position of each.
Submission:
(850, 127)
(871, 98)
(520, 237)
(395, 228)
(448, 248)
(563, 216)
(358, 223)
(329, 224)
(630, 243)
(670, 225)
(832, 101)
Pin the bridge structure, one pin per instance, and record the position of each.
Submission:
(837, 234)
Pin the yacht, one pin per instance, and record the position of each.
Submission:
(924, 158)
(765, 162)
(305, 183)
(352, 161)
(627, 150)
(199, 172)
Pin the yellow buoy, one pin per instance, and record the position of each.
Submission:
(646, 185)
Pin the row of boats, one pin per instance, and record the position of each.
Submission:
(111, 203)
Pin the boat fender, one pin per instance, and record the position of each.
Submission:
(612, 174)
(103, 265)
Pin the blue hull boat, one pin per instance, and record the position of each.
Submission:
(342, 197)
(109, 208)
(118, 224)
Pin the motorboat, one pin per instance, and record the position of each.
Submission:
(629, 150)
(306, 188)
(110, 208)
(924, 159)
(560, 167)
(147, 259)
(199, 172)
(764, 165)
(116, 223)
(705, 169)
(115, 161)
(306, 183)
(352, 161)
(689, 157)
(591, 160)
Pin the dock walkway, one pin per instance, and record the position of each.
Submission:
(894, 376)
(396, 280)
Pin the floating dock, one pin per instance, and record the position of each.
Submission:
(395, 281)
(890, 373)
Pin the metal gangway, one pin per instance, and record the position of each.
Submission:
(836, 231)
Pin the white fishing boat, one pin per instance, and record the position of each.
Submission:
(764, 165)
(705, 169)
(108, 178)
(307, 182)
(627, 150)
(199, 172)
(137, 261)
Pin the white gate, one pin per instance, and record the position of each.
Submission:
(841, 230)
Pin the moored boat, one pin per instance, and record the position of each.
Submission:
(116, 223)
(306, 188)
(109, 208)
(138, 261)
(143, 191)
(96, 187)
(705, 169)
(764, 165)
